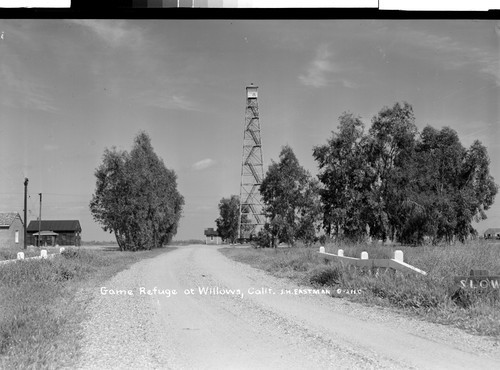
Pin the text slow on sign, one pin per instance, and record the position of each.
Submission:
(478, 282)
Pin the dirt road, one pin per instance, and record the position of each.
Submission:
(192, 308)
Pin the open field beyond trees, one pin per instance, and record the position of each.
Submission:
(428, 297)
(43, 303)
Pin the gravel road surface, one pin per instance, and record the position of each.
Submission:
(227, 315)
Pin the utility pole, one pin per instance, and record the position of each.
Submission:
(25, 211)
(40, 221)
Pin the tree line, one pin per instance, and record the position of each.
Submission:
(136, 197)
(389, 182)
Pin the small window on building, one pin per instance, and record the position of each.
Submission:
(16, 237)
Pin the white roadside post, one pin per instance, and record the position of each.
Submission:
(398, 255)
(340, 253)
(20, 255)
(364, 255)
(43, 253)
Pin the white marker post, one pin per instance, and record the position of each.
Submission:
(398, 255)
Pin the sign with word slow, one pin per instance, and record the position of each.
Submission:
(478, 279)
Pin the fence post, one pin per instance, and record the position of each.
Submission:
(398, 255)
(364, 255)
(20, 255)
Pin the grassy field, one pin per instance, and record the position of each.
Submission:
(42, 303)
(428, 297)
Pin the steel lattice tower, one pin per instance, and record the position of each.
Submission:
(252, 171)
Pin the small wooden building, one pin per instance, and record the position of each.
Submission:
(54, 232)
(492, 233)
(11, 230)
(212, 236)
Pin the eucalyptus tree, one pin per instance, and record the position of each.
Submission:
(454, 181)
(110, 201)
(291, 202)
(136, 197)
(392, 142)
(227, 222)
(402, 184)
(346, 179)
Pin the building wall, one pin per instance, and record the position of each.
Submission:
(213, 240)
(8, 235)
(68, 238)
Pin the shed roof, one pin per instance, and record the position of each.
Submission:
(7, 218)
(493, 230)
(55, 225)
(211, 232)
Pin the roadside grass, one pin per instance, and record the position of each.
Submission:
(428, 297)
(11, 253)
(43, 303)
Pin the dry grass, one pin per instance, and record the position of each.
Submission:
(43, 303)
(426, 296)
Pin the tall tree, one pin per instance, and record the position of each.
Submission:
(439, 156)
(475, 176)
(309, 212)
(403, 185)
(393, 133)
(227, 223)
(289, 194)
(110, 202)
(346, 179)
(136, 197)
(453, 182)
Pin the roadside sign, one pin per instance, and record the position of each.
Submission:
(478, 279)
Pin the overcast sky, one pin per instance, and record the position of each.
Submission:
(71, 88)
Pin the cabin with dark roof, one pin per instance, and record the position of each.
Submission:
(54, 232)
(11, 230)
(212, 236)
